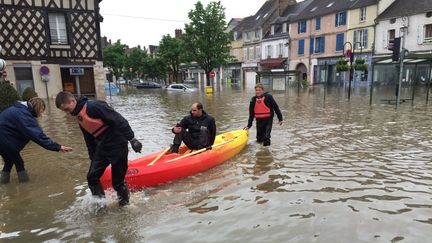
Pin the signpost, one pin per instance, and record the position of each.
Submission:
(77, 71)
(44, 72)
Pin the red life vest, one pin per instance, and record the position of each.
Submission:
(93, 126)
(260, 109)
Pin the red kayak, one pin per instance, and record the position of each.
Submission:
(159, 168)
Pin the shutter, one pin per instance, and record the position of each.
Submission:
(344, 18)
(385, 41)
(298, 27)
(355, 38)
(311, 47)
(365, 38)
(420, 34)
(336, 20)
(322, 44)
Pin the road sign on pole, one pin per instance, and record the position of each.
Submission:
(212, 74)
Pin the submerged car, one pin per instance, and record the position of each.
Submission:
(148, 85)
(181, 87)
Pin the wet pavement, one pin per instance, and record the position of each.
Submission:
(337, 171)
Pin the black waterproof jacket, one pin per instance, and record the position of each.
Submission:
(118, 133)
(200, 126)
(269, 102)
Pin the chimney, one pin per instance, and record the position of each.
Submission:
(178, 33)
(283, 4)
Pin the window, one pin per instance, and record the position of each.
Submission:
(272, 30)
(258, 52)
(269, 51)
(428, 33)
(301, 27)
(339, 42)
(391, 34)
(57, 25)
(392, 21)
(300, 47)
(362, 14)
(317, 45)
(360, 36)
(251, 53)
(280, 49)
(340, 19)
(244, 53)
(318, 23)
(284, 27)
(257, 34)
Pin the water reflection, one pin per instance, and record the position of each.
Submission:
(336, 171)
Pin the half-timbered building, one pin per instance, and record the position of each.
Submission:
(53, 45)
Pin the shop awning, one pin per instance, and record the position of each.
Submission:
(272, 63)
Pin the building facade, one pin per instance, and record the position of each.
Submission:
(415, 20)
(53, 45)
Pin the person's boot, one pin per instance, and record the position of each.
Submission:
(5, 177)
(267, 143)
(123, 195)
(23, 176)
(97, 190)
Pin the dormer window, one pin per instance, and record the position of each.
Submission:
(272, 32)
(392, 21)
(284, 27)
(330, 4)
(315, 8)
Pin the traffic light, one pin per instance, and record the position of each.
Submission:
(394, 45)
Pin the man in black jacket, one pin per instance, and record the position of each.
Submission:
(197, 130)
(106, 134)
(262, 107)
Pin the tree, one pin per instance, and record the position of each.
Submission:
(205, 38)
(135, 61)
(114, 57)
(171, 51)
(155, 68)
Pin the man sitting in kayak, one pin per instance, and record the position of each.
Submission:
(197, 130)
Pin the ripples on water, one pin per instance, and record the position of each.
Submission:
(336, 172)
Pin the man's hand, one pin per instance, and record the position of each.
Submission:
(177, 130)
(280, 123)
(65, 149)
(246, 128)
(136, 145)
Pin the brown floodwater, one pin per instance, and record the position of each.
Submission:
(336, 171)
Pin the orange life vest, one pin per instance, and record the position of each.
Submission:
(93, 126)
(260, 109)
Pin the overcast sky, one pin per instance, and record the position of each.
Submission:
(145, 24)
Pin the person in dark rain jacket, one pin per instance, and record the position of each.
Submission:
(18, 125)
(262, 107)
(106, 134)
(197, 130)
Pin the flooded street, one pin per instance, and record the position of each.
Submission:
(336, 171)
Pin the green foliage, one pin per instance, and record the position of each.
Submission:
(8, 95)
(29, 93)
(134, 62)
(342, 65)
(171, 51)
(205, 39)
(114, 57)
(360, 64)
(155, 68)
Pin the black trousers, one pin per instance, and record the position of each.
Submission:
(118, 158)
(190, 142)
(10, 159)
(264, 127)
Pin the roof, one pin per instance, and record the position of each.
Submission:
(363, 3)
(401, 8)
(263, 14)
(244, 24)
(291, 11)
(324, 7)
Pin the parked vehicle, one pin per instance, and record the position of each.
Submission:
(180, 87)
(148, 85)
(121, 80)
(113, 87)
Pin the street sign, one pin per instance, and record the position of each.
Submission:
(348, 54)
(76, 71)
(212, 74)
(44, 71)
